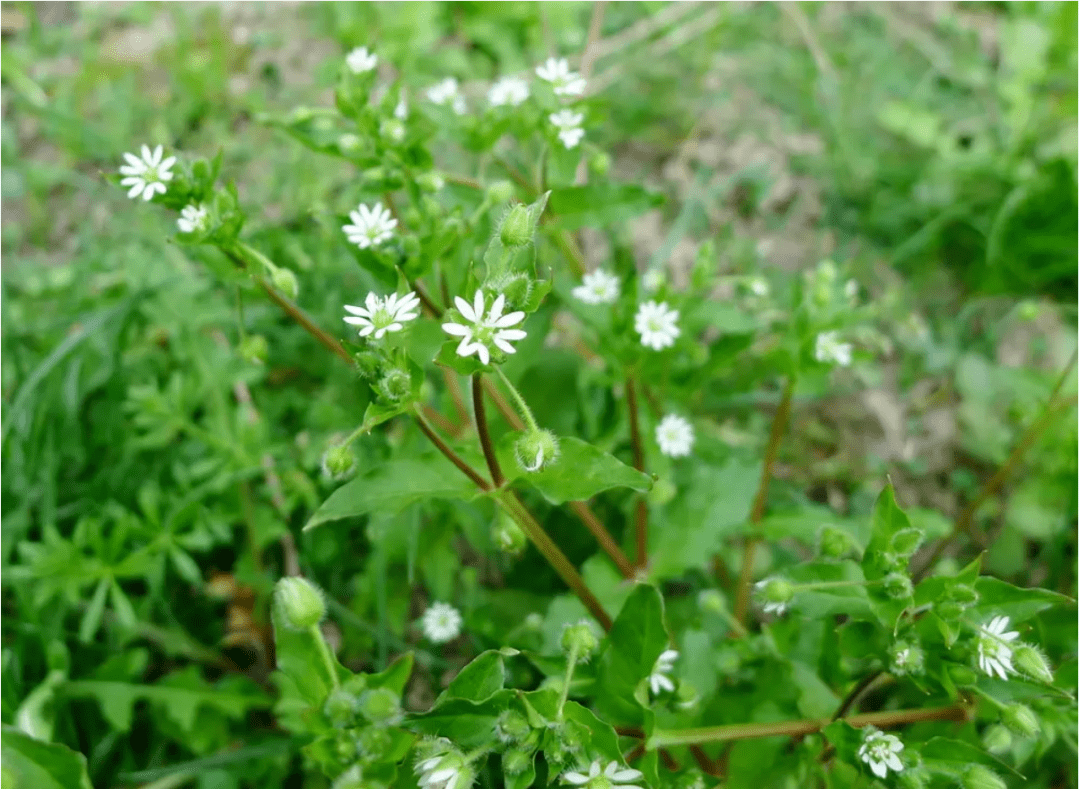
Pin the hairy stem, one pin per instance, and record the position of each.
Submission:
(641, 511)
(327, 658)
(603, 537)
(482, 431)
(450, 454)
(746, 574)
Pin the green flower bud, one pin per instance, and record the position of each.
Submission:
(686, 696)
(835, 543)
(777, 590)
(948, 610)
(499, 192)
(254, 348)
(663, 491)
(284, 280)
(345, 745)
(536, 449)
(534, 621)
(339, 462)
(430, 181)
(711, 601)
(394, 386)
(963, 594)
(1021, 719)
(381, 706)
(368, 365)
(516, 761)
(906, 541)
(508, 536)
(580, 639)
(978, 777)
(997, 739)
(600, 163)
(1032, 662)
(511, 726)
(912, 778)
(347, 143)
(897, 586)
(340, 708)
(355, 685)
(392, 129)
(300, 603)
(373, 743)
(515, 285)
(516, 229)
(906, 658)
(374, 175)
(1028, 310)
(962, 675)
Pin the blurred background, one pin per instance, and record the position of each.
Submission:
(929, 148)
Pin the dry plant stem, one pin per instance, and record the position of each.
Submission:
(742, 594)
(965, 522)
(747, 731)
(603, 537)
(853, 696)
(482, 431)
(641, 511)
(450, 454)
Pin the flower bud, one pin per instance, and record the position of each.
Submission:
(254, 348)
(579, 639)
(686, 696)
(284, 280)
(912, 778)
(1021, 719)
(897, 586)
(430, 181)
(1028, 310)
(600, 163)
(962, 675)
(963, 594)
(516, 761)
(381, 706)
(395, 385)
(536, 449)
(1032, 662)
(533, 621)
(392, 129)
(300, 603)
(516, 229)
(500, 192)
(340, 708)
(353, 778)
(978, 777)
(508, 536)
(777, 590)
(711, 601)
(339, 462)
(906, 541)
(835, 543)
(347, 143)
(511, 726)
(997, 739)
(906, 658)
(663, 491)
(948, 610)
(515, 285)
(367, 365)
(373, 743)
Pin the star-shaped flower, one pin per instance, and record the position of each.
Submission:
(508, 91)
(482, 331)
(611, 776)
(993, 647)
(598, 287)
(370, 226)
(675, 436)
(379, 316)
(656, 325)
(148, 174)
(441, 622)
(879, 751)
(360, 60)
(658, 679)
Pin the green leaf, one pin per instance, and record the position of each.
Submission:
(480, 679)
(959, 754)
(91, 620)
(630, 651)
(468, 724)
(395, 676)
(301, 675)
(36, 715)
(32, 764)
(580, 472)
(887, 520)
(998, 598)
(600, 204)
(392, 486)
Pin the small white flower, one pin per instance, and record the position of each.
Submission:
(571, 137)
(446, 92)
(598, 287)
(482, 331)
(612, 776)
(994, 649)
(563, 81)
(401, 111)
(675, 436)
(445, 771)
(653, 279)
(777, 607)
(851, 290)
(360, 60)
(441, 622)
(146, 175)
(906, 659)
(829, 349)
(193, 218)
(379, 316)
(759, 287)
(658, 679)
(508, 90)
(656, 325)
(370, 226)
(878, 750)
(568, 123)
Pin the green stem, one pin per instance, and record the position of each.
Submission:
(328, 659)
(519, 400)
(571, 661)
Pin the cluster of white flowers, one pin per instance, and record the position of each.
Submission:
(360, 61)
(879, 752)
(484, 330)
(994, 648)
(829, 349)
(659, 679)
(146, 175)
(568, 123)
(510, 91)
(445, 93)
(563, 81)
(194, 218)
(655, 322)
(675, 436)
(599, 287)
(381, 315)
(611, 776)
(441, 622)
(370, 226)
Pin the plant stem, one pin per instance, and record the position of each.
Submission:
(482, 431)
(641, 511)
(746, 731)
(571, 660)
(450, 454)
(603, 537)
(308, 325)
(746, 574)
(526, 412)
(328, 659)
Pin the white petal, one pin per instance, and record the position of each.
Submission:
(357, 321)
(483, 352)
(478, 305)
(575, 778)
(511, 334)
(136, 188)
(626, 775)
(457, 329)
(496, 310)
(879, 768)
(508, 320)
(893, 762)
(465, 310)
(504, 345)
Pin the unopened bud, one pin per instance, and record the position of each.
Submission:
(997, 739)
(536, 449)
(508, 536)
(835, 543)
(284, 280)
(254, 348)
(347, 143)
(1028, 310)
(1021, 719)
(381, 706)
(533, 621)
(1032, 662)
(339, 462)
(516, 761)
(367, 365)
(906, 658)
(373, 743)
(963, 594)
(516, 229)
(515, 285)
(978, 777)
(340, 708)
(711, 601)
(962, 675)
(299, 602)
(948, 610)
(600, 163)
(897, 586)
(663, 491)
(906, 541)
(392, 129)
(395, 385)
(913, 778)
(511, 726)
(500, 192)
(686, 696)
(777, 590)
(431, 181)
(579, 639)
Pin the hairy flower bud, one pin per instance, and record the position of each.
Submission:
(978, 777)
(536, 449)
(515, 285)
(1021, 719)
(353, 778)
(516, 761)
(367, 365)
(284, 280)
(516, 229)
(835, 543)
(508, 536)
(511, 726)
(777, 590)
(963, 594)
(905, 658)
(579, 639)
(373, 742)
(997, 739)
(1032, 662)
(254, 348)
(381, 706)
(906, 541)
(500, 192)
(395, 385)
(913, 778)
(897, 586)
(300, 603)
(340, 708)
(948, 610)
(339, 462)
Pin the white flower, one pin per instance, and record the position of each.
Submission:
(994, 649)
(851, 290)
(758, 286)
(445, 771)
(370, 226)
(568, 123)
(656, 325)
(563, 81)
(774, 606)
(653, 280)
(508, 90)
(446, 92)
(494, 328)
(612, 776)
(675, 436)
(441, 622)
(401, 111)
(380, 316)
(879, 751)
(599, 287)
(148, 174)
(658, 679)
(360, 60)
(193, 218)
(571, 137)
(829, 349)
